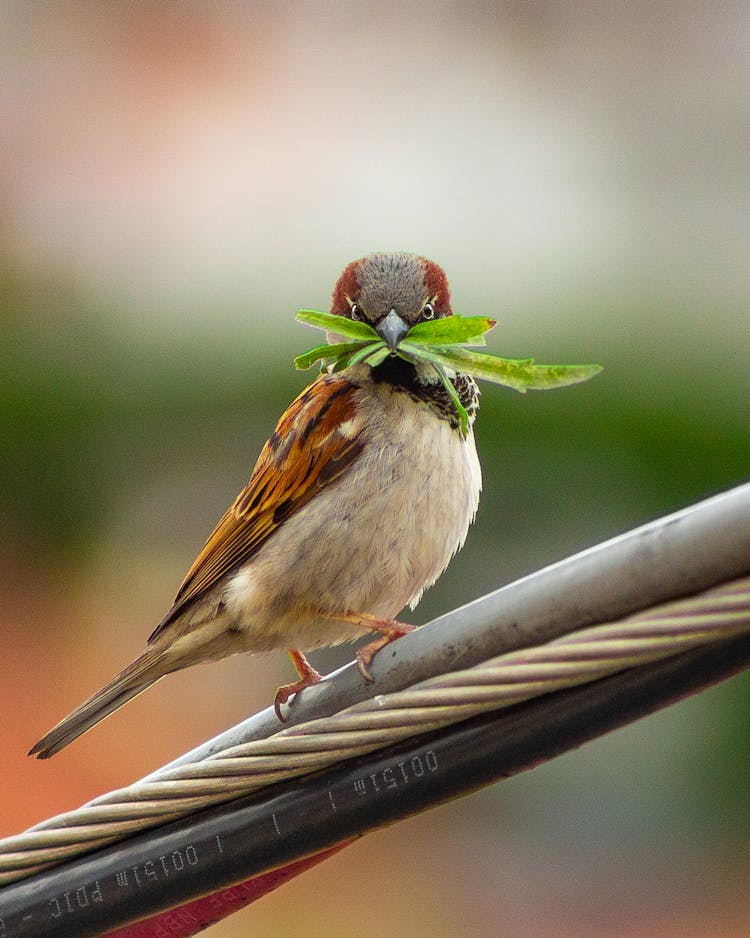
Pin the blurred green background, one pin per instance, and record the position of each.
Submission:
(178, 179)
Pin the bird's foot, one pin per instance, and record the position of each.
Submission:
(308, 676)
(389, 630)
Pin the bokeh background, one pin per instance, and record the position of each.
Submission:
(178, 179)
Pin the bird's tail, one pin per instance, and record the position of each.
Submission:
(140, 674)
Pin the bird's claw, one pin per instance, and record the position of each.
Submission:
(391, 632)
(286, 691)
(363, 660)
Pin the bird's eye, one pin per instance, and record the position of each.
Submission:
(428, 312)
(355, 312)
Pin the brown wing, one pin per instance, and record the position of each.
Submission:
(306, 451)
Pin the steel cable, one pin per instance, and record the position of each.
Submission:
(576, 658)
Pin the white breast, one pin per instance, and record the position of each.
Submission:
(372, 541)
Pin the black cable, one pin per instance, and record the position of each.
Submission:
(171, 865)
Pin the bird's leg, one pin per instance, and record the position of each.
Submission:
(390, 630)
(308, 675)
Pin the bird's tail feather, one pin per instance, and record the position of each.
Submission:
(142, 673)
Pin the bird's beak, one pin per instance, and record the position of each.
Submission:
(392, 329)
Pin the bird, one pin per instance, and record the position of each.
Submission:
(358, 501)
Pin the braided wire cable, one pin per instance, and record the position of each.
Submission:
(577, 658)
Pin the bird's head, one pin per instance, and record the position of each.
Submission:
(392, 293)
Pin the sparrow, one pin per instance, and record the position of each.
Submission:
(360, 497)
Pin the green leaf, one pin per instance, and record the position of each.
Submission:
(452, 330)
(441, 344)
(338, 324)
(522, 375)
(411, 352)
(545, 377)
(363, 353)
(463, 416)
(379, 357)
(340, 363)
(325, 352)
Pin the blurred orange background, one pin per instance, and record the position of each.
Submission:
(178, 179)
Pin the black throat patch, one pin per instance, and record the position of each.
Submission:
(402, 376)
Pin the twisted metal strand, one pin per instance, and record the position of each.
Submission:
(577, 658)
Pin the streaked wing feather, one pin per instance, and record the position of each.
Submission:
(306, 452)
